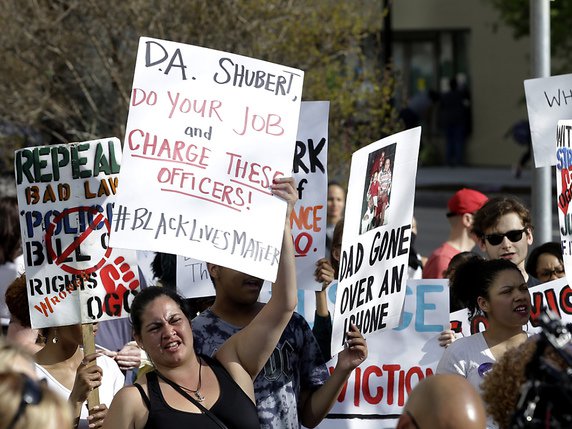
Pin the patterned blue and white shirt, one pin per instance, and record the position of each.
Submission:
(296, 364)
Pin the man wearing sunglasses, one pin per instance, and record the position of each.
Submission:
(504, 228)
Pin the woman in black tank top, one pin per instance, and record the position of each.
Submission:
(204, 392)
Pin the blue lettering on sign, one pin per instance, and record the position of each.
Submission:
(423, 306)
(420, 308)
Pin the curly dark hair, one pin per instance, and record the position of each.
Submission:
(490, 213)
(474, 278)
(502, 386)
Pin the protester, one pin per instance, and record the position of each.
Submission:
(71, 375)
(20, 330)
(220, 385)
(520, 373)
(15, 358)
(496, 289)
(327, 273)
(546, 262)
(11, 259)
(28, 404)
(443, 401)
(461, 207)
(294, 387)
(504, 228)
(61, 362)
(457, 260)
(335, 211)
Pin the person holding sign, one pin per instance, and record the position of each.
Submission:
(497, 289)
(188, 389)
(62, 363)
(73, 375)
(294, 387)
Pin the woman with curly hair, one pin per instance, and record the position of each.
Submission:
(501, 390)
(497, 289)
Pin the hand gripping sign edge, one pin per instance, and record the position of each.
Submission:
(58, 259)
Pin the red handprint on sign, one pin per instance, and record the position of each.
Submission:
(117, 278)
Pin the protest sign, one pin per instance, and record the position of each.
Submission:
(65, 195)
(548, 100)
(308, 219)
(555, 295)
(211, 131)
(193, 278)
(376, 237)
(564, 190)
(398, 359)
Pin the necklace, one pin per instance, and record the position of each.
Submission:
(197, 392)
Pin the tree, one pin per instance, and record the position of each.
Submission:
(516, 14)
(68, 64)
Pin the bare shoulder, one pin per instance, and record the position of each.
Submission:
(128, 409)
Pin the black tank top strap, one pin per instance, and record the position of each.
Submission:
(143, 395)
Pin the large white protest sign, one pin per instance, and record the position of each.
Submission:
(207, 133)
(555, 295)
(65, 195)
(398, 359)
(376, 237)
(308, 218)
(548, 100)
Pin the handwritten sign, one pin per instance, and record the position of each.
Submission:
(210, 131)
(66, 195)
(308, 219)
(398, 359)
(564, 189)
(548, 100)
(376, 237)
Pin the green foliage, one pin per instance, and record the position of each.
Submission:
(516, 14)
(68, 64)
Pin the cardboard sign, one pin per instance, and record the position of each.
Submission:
(548, 100)
(210, 131)
(66, 195)
(398, 359)
(308, 219)
(377, 230)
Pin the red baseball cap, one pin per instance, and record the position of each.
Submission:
(465, 201)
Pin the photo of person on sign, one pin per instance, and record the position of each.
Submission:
(377, 188)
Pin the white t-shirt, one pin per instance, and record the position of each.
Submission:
(112, 381)
(469, 357)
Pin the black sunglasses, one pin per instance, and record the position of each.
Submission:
(514, 236)
(31, 395)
